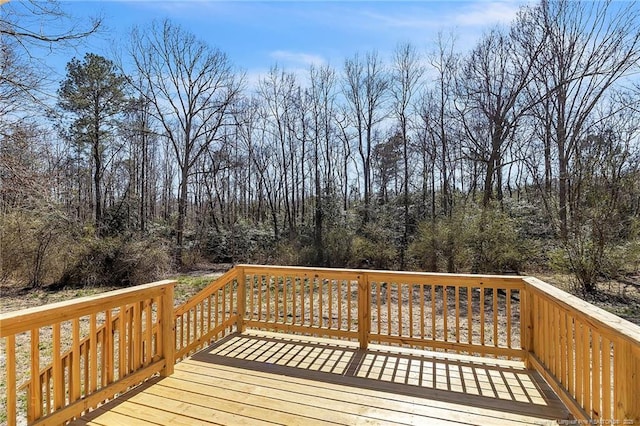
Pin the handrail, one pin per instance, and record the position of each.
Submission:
(591, 358)
(207, 315)
(368, 305)
(109, 358)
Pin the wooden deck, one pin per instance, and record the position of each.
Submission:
(272, 378)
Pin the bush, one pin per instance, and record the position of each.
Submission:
(495, 241)
(118, 261)
(35, 246)
(373, 248)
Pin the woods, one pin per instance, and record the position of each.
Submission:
(521, 152)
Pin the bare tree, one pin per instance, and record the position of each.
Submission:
(589, 47)
(406, 74)
(26, 25)
(493, 82)
(191, 88)
(322, 105)
(365, 88)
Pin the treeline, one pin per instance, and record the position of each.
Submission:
(520, 153)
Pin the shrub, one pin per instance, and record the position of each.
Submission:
(119, 261)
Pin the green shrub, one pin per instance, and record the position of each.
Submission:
(373, 248)
(35, 246)
(118, 261)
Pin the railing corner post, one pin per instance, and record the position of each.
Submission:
(242, 285)
(364, 311)
(168, 331)
(526, 325)
(627, 382)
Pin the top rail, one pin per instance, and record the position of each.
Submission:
(40, 316)
(605, 322)
(590, 357)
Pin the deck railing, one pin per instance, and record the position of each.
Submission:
(118, 339)
(590, 357)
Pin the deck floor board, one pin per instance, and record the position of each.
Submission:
(271, 378)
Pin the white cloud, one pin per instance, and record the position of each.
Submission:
(297, 58)
(487, 13)
(399, 21)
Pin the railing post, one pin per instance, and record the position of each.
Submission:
(168, 329)
(242, 285)
(364, 310)
(526, 324)
(626, 382)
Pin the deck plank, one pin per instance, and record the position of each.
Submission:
(271, 378)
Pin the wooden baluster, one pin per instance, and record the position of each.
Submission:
(586, 369)
(201, 329)
(10, 349)
(320, 301)
(422, 311)
(109, 348)
(571, 357)
(339, 284)
(330, 304)
(224, 304)
(148, 355)
(268, 282)
(470, 314)
(410, 292)
(285, 283)
(294, 299)
(75, 365)
(348, 285)
(388, 324)
(606, 379)
(482, 316)
(35, 388)
(495, 296)
(85, 349)
(457, 302)
(216, 306)
(579, 396)
(122, 342)
(138, 342)
(251, 302)
(445, 313)
(231, 298)
(400, 319)
(596, 410)
(562, 373)
(509, 314)
(58, 375)
(552, 337)
(188, 328)
(379, 307)
(47, 390)
(260, 285)
(303, 282)
(93, 354)
(433, 312)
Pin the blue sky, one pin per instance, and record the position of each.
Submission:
(294, 34)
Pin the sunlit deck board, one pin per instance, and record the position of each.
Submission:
(259, 378)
